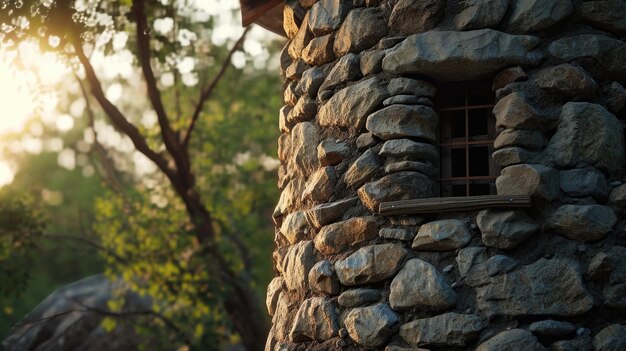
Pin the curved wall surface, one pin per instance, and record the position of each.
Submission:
(362, 126)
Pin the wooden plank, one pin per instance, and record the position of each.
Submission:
(453, 204)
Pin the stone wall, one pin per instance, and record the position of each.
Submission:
(359, 127)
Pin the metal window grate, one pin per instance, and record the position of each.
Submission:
(467, 133)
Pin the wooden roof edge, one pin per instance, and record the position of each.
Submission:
(266, 13)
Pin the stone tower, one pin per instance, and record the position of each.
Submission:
(452, 176)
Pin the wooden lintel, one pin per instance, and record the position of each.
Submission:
(453, 204)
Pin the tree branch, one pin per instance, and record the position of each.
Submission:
(117, 118)
(88, 242)
(208, 90)
(170, 138)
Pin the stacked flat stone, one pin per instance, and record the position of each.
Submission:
(360, 128)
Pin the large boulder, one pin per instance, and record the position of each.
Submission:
(296, 265)
(337, 237)
(527, 179)
(442, 235)
(505, 229)
(587, 134)
(404, 121)
(458, 56)
(607, 52)
(512, 340)
(362, 169)
(608, 15)
(327, 15)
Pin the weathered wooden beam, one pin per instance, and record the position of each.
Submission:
(453, 204)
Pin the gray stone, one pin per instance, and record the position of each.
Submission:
(304, 140)
(316, 320)
(513, 156)
(414, 166)
(372, 62)
(362, 29)
(289, 197)
(615, 95)
(511, 340)
(319, 50)
(337, 237)
(587, 134)
(552, 328)
(331, 152)
(327, 15)
(322, 278)
(515, 111)
(583, 182)
(350, 106)
(614, 289)
(295, 226)
(529, 139)
(536, 180)
(546, 287)
(599, 267)
(321, 185)
(505, 229)
(536, 15)
(405, 100)
(499, 264)
(583, 222)
(617, 198)
(469, 257)
(289, 95)
(608, 52)
(273, 292)
(443, 235)
(402, 234)
(402, 121)
(301, 39)
(304, 110)
(578, 344)
(566, 80)
(370, 264)
(609, 15)
(284, 126)
(296, 265)
(410, 17)
(292, 17)
(310, 82)
(362, 169)
(408, 86)
(479, 14)
(419, 284)
(450, 329)
(324, 214)
(508, 76)
(295, 70)
(458, 56)
(394, 187)
(358, 297)
(411, 150)
(365, 140)
(283, 317)
(611, 338)
(345, 69)
(371, 326)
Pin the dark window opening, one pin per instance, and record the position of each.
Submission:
(467, 132)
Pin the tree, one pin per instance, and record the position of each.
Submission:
(207, 260)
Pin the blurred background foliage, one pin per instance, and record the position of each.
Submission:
(83, 201)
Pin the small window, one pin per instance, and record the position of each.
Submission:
(467, 132)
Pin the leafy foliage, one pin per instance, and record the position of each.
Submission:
(20, 228)
(191, 254)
